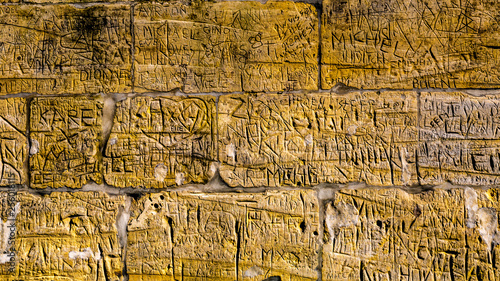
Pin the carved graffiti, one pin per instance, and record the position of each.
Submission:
(63, 49)
(407, 44)
(225, 46)
(219, 236)
(13, 142)
(393, 235)
(159, 142)
(459, 139)
(65, 135)
(307, 139)
(62, 1)
(71, 235)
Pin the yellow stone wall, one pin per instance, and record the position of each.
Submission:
(240, 140)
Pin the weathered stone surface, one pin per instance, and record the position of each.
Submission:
(459, 139)
(64, 49)
(61, 236)
(162, 141)
(307, 139)
(65, 133)
(13, 142)
(69, 1)
(392, 235)
(190, 236)
(410, 44)
(225, 46)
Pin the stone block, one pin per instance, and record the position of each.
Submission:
(459, 139)
(62, 49)
(410, 44)
(13, 141)
(192, 236)
(158, 142)
(225, 46)
(308, 139)
(61, 236)
(65, 136)
(388, 234)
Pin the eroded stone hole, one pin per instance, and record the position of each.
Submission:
(303, 226)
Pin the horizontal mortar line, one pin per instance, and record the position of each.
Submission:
(92, 3)
(455, 139)
(331, 90)
(82, 4)
(219, 93)
(36, 95)
(133, 191)
(458, 171)
(158, 93)
(206, 188)
(421, 90)
(254, 190)
(178, 92)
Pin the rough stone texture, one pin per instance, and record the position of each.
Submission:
(69, 1)
(459, 139)
(61, 236)
(13, 142)
(226, 46)
(410, 44)
(65, 135)
(189, 236)
(205, 116)
(389, 234)
(62, 49)
(160, 142)
(307, 139)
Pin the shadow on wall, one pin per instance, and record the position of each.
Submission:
(273, 278)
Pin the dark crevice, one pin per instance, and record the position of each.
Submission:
(238, 247)
(136, 195)
(171, 225)
(361, 277)
(273, 278)
(303, 226)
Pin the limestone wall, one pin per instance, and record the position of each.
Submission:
(240, 140)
